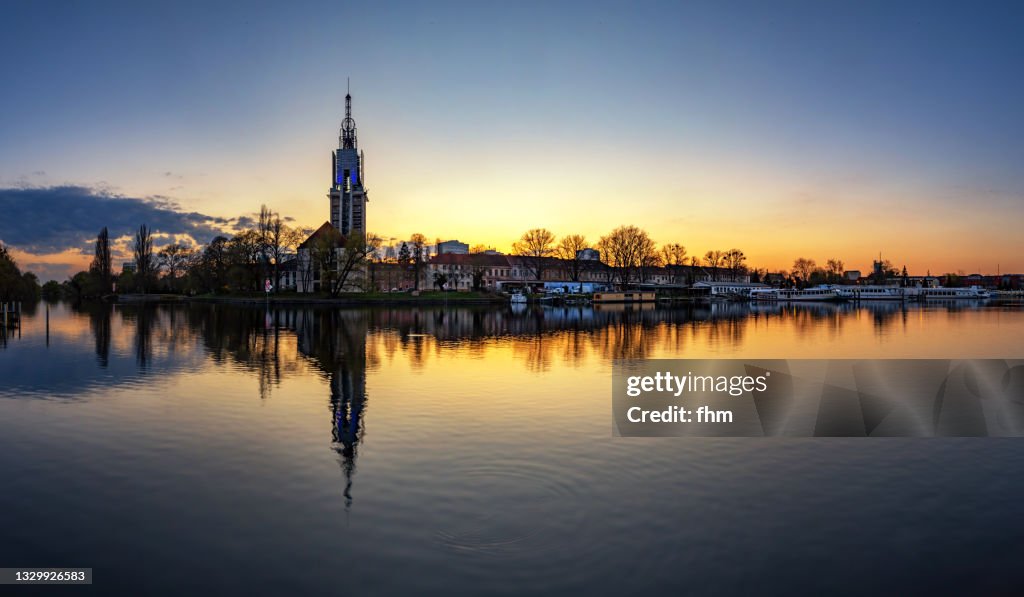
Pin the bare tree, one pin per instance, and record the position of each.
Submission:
(673, 256)
(144, 262)
(649, 258)
(535, 246)
(278, 240)
(714, 260)
(625, 250)
(835, 268)
(357, 249)
(570, 249)
(803, 268)
(736, 261)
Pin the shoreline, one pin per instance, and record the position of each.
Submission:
(342, 301)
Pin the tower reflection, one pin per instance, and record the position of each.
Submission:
(336, 342)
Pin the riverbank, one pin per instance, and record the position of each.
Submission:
(361, 299)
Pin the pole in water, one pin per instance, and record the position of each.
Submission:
(47, 324)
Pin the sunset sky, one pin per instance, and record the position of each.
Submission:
(786, 129)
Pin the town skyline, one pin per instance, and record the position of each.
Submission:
(480, 123)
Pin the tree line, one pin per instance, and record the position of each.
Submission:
(629, 254)
(237, 263)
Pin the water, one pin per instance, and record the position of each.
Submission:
(224, 450)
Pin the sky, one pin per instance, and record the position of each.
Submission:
(786, 129)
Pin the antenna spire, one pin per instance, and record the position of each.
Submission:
(348, 126)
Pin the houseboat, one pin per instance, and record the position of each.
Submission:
(629, 296)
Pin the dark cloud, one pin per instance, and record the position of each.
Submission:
(245, 222)
(46, 220)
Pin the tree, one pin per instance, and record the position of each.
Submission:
(244, 255)
(649, 258)
(15, 286)
(736, 261)
(404, 256)
(51, 290)
(624, 250)
(477, 249)
(535, 246)
(835, 269)
(803, 268)
(323, 259)
(278, 241)
(570, 249)
(440, 280)
(145, 265)
(100, 267)
(713, 259)
(357, 248)
(174, 260)
(418, 250)
(673, 257)
(211, 266)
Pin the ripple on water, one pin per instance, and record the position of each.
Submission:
(514, 507)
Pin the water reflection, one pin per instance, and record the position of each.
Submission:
(222, 433)
(335, 341)
(129, 343)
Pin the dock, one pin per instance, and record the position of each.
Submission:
(10, 314)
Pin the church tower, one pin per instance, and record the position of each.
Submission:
(347, 192)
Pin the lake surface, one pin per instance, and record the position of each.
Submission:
(221, 450)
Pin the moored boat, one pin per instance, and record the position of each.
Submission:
(872, 293)
(943, 294)
(818, 293)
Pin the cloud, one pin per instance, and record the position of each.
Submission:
(45, 220)
(245, 222)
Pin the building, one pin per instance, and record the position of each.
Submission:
(504, 272)
(288, 275)
(588, 254)
(324, 250)
(852, 275)
(321, 263)
(348, 191)
(452, 247)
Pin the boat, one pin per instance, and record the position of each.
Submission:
(872, 293)
(623, 297)
(944, 294)
(518, 297)
(818, 293)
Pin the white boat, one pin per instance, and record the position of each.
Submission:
(872, 293)
(818, 293)
(944, 294)
(518, 297)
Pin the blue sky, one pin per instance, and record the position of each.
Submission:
(760, 125)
